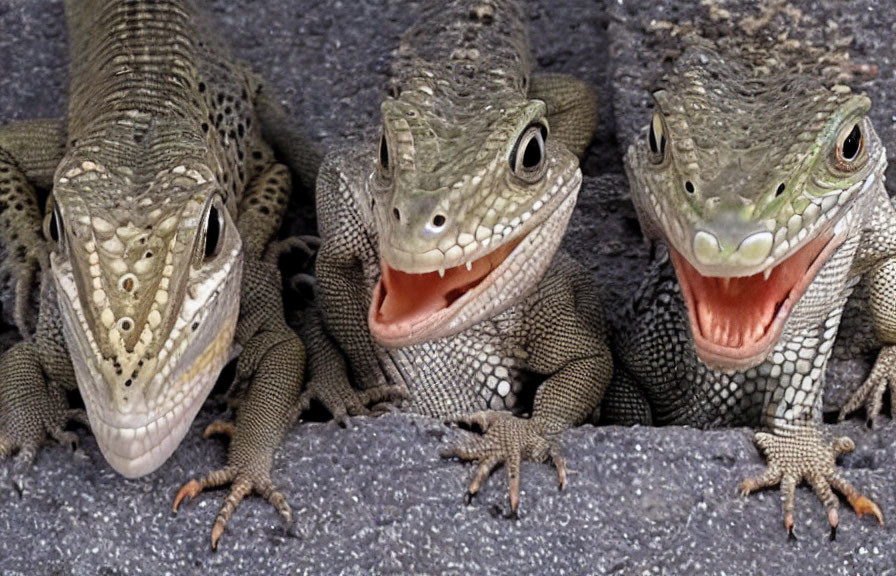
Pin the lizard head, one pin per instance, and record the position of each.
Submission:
(147, 276)
(753, 179)
(470, 204)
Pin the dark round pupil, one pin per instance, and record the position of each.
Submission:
(851, 144)
(54, 227)
(532, 154)
(212, 233)
(384, 153)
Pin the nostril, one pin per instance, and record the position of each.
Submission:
(396, 213)
(438, 220)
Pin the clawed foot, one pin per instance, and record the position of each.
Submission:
(244, 478)
(26, 444)
(506, 439)
(806, 455)
(871, 394)
(341, 400)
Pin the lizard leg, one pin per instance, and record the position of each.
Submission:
(34, 376)
(883, 375)
(804, 454)
(506, 439)
(32, 409)
(328, 381)
(870, 394)
(571, 106)
(272, 362)
(271, 365)
(578, 363)
(29, 153)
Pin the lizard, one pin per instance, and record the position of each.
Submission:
(439, 276)
(153, 251)
(760, 180)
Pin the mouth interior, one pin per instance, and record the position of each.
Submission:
(406, 297)
(738, 312)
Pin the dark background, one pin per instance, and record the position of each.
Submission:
(376, 498)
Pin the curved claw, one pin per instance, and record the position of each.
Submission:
(189, 491)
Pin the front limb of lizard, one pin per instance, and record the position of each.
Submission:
(342, 305)
(29, 154)
(33, 374)
(880, 250)
(34, 377)
(270, 367)
(796, 451)
(566, 341)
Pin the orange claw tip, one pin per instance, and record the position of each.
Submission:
(189, 490)
(863, 505)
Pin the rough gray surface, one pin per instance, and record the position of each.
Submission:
(376, 498)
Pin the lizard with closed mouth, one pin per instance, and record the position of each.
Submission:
(156, 262)
(439, 274)
(763, 178)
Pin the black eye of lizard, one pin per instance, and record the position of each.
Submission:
(852, 144)
(214, 232)
(384, 154)
(656, 139)
(528, 158)
(56, 224)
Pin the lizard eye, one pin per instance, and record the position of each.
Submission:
(656, 139)
(528, 158)
(848, 154)
(53, 229)
(384, 156)
(214, 231)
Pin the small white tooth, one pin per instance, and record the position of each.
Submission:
(767, 273)
(441, 272)
(469, 266)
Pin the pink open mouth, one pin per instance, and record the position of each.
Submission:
(406, 307)
(737, 321)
